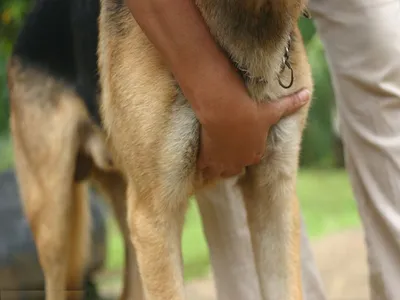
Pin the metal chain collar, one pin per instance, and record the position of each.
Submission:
(285, 63)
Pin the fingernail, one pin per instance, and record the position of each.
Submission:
(304, 96)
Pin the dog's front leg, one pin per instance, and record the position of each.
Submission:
(273, 218)
(156, 225)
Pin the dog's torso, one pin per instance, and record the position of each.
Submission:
(59, 38)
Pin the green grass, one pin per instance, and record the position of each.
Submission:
(327, 201)
(327, 206)
(6, 156)
(195, 252)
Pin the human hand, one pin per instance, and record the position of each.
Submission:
(235, 137)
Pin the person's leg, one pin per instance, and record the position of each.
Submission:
(313, 288)
(362, 42)
(228, 237)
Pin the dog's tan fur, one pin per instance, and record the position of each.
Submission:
(154, 137)
(54, 143)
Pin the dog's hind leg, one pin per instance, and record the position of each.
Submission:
(44, 124)
(57, 213)
(113, 186)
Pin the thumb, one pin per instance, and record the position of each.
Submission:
(288, 105)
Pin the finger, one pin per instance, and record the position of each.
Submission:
(200, 151)
(257, 158)
(201, 163)
(287, 105)
(210, 173)
(293, 103)
(261, 149)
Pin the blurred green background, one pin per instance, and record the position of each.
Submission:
(323, 185)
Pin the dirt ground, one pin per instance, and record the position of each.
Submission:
(341, 259)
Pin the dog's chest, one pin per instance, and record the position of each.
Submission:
(255, 42)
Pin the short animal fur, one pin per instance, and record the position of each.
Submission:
(153, 136)
(59, 145)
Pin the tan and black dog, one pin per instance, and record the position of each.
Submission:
(154, 137)
(59, 146)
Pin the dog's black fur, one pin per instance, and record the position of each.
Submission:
(60, 37)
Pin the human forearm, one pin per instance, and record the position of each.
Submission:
(178, 31)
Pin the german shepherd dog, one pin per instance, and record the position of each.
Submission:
(136, 111)
(59, 145)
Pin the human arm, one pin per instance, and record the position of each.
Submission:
(233, 127)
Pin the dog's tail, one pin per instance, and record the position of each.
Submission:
(93, 150)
